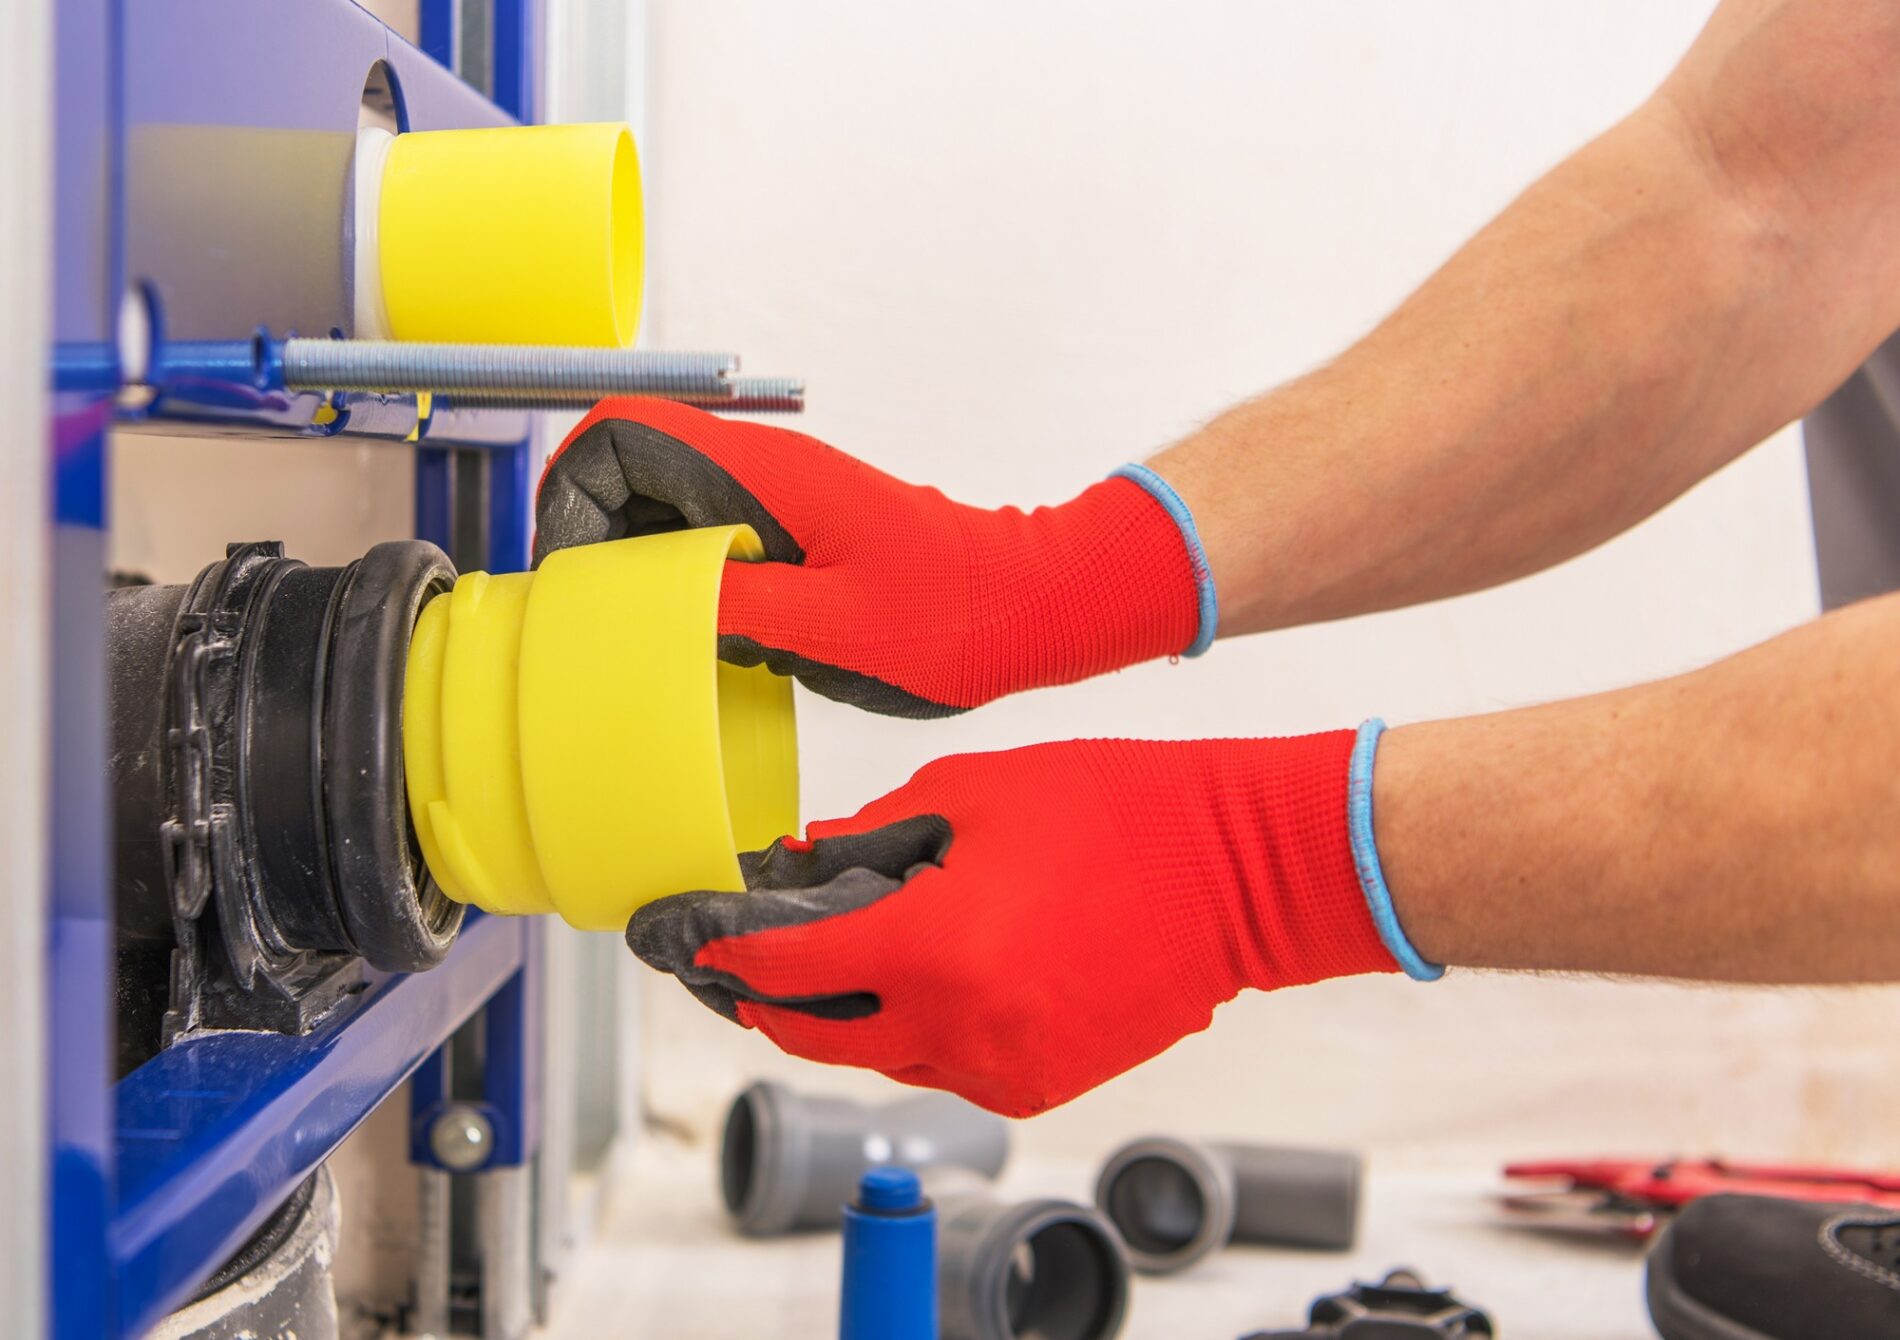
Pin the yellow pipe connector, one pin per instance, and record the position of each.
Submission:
(573, 744)
(502, 235)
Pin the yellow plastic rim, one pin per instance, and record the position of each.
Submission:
(573, 744)
(626, 226)
(513, 235)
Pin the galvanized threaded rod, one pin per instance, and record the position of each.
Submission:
(765, 395)
(744, 395)
(522, 374)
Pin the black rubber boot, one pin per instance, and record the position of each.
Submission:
(1756, 1268)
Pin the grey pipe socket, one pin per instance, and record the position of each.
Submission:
(790, 1161)
(1033, 1270)
(1174, 1201)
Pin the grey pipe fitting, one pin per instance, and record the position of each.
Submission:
(1034, 1270)
(790, 1161)
(1174, 1201)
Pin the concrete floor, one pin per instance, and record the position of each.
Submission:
(665, 1265)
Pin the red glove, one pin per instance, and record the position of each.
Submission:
(1019, 927)
(880, 593)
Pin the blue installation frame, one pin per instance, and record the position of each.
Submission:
(156, 1179)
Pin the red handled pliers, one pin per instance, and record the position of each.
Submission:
(1632, 1197)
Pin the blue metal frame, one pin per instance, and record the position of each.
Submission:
(156, 1179)
(441, 30)
(241, 382)
(517, 29)
(214, 1131)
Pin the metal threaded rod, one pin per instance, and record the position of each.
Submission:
(742, 395)
(766, 395)
(535, 376)
(761, 395)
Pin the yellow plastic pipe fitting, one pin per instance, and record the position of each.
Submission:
(572, 743)
(503, 235)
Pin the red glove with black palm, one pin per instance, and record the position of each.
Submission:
(881, 593)
(1019, 927)
(1014, 927)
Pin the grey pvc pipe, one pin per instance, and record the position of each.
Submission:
(1032, 1270)
(790, 1161)
(1174, 1201)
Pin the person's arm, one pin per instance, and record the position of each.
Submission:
(1740, 824)
(1697, 277)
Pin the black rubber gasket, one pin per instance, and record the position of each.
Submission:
(365, 802)
(264, 1243)
(281, 758)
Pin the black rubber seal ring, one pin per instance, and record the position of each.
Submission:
(409, 928)
(263, 1244)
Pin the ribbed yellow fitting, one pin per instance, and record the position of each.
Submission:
(511, 235)
(573, 744)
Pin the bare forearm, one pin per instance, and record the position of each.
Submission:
(1672, 293)
(1565, 374)
(1741, 823)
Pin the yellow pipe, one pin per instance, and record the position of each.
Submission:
(572, 743)
(502, 235)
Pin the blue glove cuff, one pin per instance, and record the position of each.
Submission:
(1365, 857)
(1163, 492)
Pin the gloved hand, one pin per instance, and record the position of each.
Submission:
(1019, 927)
(880, 593)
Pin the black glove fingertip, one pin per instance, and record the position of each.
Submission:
(659, 933)
(891, 851)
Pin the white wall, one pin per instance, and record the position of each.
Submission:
(26, 211)
(1012, 247)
